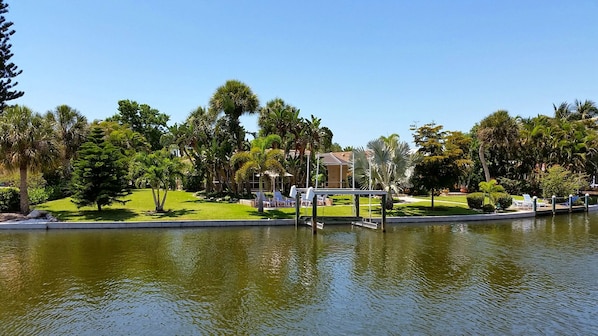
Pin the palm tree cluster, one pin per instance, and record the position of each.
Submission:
(518, 151)
(212, 141)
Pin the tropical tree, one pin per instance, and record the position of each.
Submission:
(585, 110)
(498, 134)
(8, 70)
(277, 117)
(234, 99)
(562, 111)
(27, 143)
(160, 170)
(196, 139)
(383, 162)
(489, 188)
(258, 160)
(142, 119)
(436, 164)
(100, 174)
(71, 127)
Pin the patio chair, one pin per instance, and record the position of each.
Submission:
(529, 200)
(573, 199)
(280, 200)
(322, 199)
(306, 198)
(267, 201)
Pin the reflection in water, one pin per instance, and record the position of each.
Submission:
(532, 276)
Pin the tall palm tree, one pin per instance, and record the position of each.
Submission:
(585, 110)
(277, 117)
(562, 111)
(383, 162)
(235, 99)
(497, 132)
(27, 143)
(258, 160)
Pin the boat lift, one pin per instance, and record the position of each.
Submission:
(312, 194)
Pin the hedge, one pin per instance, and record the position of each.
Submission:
(9, 200)
(475, 200)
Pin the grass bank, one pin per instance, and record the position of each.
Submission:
(183, 205)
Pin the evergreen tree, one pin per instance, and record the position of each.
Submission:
(100, 175)
(8, 70)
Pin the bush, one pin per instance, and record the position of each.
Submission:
(475, 200)
(192, 183)
(503, 200)
(37, 195)
(55, 192)
(561, 182)
(9, 200)
(488, 208)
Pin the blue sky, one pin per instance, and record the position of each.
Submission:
(366, 68)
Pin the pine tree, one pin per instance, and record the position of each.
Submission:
(8, 70)
(100, 175)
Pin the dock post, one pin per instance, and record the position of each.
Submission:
(356, 197)
(314, 214)
(570, 203)
(535, 204)
(297, 209)
(587, 202)
(383, 224)
(553, 204)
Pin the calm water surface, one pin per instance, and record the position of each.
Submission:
(536, 276)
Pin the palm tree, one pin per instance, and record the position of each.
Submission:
(160, 170)
(72, 128)
(259, 160)
(277, 117)
(195, 138)
(27, 143)
(235, 99)
(489, 188)
(563, 111)
(384, 162)
(585, 110)
(498, 132)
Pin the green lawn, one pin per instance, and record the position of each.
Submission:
(182, 205)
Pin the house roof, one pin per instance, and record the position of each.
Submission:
(336, 158)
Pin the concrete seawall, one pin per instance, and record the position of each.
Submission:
(42, 225)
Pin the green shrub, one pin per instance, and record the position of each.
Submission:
(475, 200)
(503, 200)
(55, 192)
(37, 195)
(9, 199)
(488, 208)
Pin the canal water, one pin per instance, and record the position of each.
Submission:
(520, 277)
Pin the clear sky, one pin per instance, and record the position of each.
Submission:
(366, 68)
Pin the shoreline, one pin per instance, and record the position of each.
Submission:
(50, 225)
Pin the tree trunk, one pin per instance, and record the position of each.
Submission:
(23, 193)
(99, 207)
(260, 199)
(161, 204)
(209, 180)
(483, 162)
(389, 201)
(432, 202)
